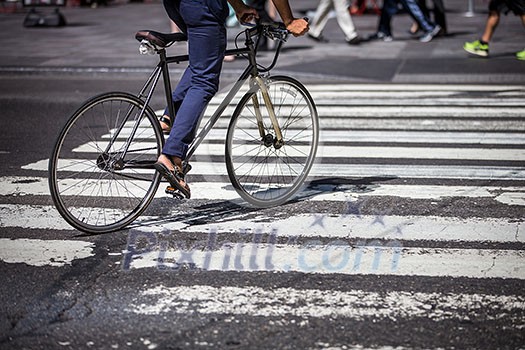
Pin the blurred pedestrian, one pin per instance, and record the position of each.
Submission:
(390, 8)
(343, 19)
(481, 47)
(359, 7)
(439, 16)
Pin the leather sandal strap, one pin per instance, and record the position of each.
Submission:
(179, 175)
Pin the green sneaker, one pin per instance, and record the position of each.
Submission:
(520, 55)
(477, 48)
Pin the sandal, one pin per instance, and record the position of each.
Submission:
(165, 124)
(175, 178)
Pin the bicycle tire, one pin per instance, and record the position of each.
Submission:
(262, 174)
(87, 187)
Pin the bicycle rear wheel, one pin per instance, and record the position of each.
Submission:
(96, 186)
(263, 173)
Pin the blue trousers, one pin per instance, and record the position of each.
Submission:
(204, 23)
(390, 9)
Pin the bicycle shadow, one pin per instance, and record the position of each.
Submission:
(194, 212)
(334, 185)
(202, 212)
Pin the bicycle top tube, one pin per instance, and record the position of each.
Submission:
(156, 42)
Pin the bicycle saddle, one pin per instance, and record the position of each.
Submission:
(161, 40)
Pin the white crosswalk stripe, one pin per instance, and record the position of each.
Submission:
(319, 303)
(362, 170)
(38, 186)
(439, 142)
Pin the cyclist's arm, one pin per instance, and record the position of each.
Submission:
(296, 26)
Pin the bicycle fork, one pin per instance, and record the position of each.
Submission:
(268, 139)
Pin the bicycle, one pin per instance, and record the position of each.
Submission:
(101, 173)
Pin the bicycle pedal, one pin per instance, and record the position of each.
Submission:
(174, 192)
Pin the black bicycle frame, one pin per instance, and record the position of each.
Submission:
(162, 69)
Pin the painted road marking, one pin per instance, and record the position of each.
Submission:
(435, 228)
(377, 152)
(38, 252)
(361, 170)
(314, 303)
(304, 225)
(512, 195)
(340, 257)
(423, 106)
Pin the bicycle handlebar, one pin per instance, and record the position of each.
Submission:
(273, 30)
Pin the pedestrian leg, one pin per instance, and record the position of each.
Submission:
(439, 15)
(490, 26)
(320, 18)
(344, 19)
(416, 13)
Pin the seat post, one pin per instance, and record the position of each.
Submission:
(167, 83)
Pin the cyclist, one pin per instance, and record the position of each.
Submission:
(203, 21)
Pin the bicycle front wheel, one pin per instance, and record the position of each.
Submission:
(264, 172)
(101, 174)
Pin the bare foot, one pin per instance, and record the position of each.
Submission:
(414, 28)
(170, 162)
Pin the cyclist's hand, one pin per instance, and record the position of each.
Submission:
(298, 26)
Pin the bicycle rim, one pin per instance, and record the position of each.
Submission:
(93, 186)
(265, 175)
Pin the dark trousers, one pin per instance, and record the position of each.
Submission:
(439, 12)
(204, 23)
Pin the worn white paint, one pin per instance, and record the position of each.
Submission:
(352, 225)
(379, 226)
(338, 256)
(378, 152)
(366, 170)
(38, 252)
(315, 303)
(38, 186)
(512, 198)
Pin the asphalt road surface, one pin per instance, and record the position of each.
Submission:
(409, 235)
